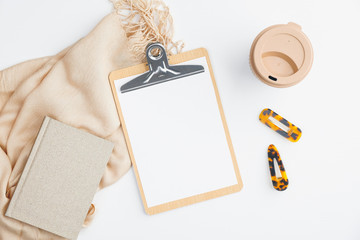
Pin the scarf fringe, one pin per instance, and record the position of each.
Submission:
(144, 22)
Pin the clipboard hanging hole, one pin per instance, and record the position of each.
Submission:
(155, 53)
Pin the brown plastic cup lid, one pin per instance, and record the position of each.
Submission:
(281, 55)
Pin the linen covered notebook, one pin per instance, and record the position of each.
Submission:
(60, 179)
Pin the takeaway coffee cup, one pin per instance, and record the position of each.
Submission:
(281, 55)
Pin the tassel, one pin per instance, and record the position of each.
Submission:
(145, 22)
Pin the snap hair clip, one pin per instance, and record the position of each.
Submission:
(279, 183)
(281, 55)
(280, 125)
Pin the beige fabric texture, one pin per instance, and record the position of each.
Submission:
(73, 87)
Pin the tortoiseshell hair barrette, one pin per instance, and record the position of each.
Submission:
(279, 183)
(280, 125)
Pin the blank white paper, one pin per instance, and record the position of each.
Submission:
(177, 137)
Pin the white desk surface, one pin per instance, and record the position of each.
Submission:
(323, 198)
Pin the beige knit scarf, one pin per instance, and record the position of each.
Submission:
(73, 88)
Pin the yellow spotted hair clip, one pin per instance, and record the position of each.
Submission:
(279, 183)
(280, 125)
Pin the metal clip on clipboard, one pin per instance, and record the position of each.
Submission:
(159, 70)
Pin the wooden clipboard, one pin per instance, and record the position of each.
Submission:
(168, 205)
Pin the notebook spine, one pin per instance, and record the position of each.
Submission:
(28, 166)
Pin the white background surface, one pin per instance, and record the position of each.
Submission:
(185, 151)
(323, 198)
